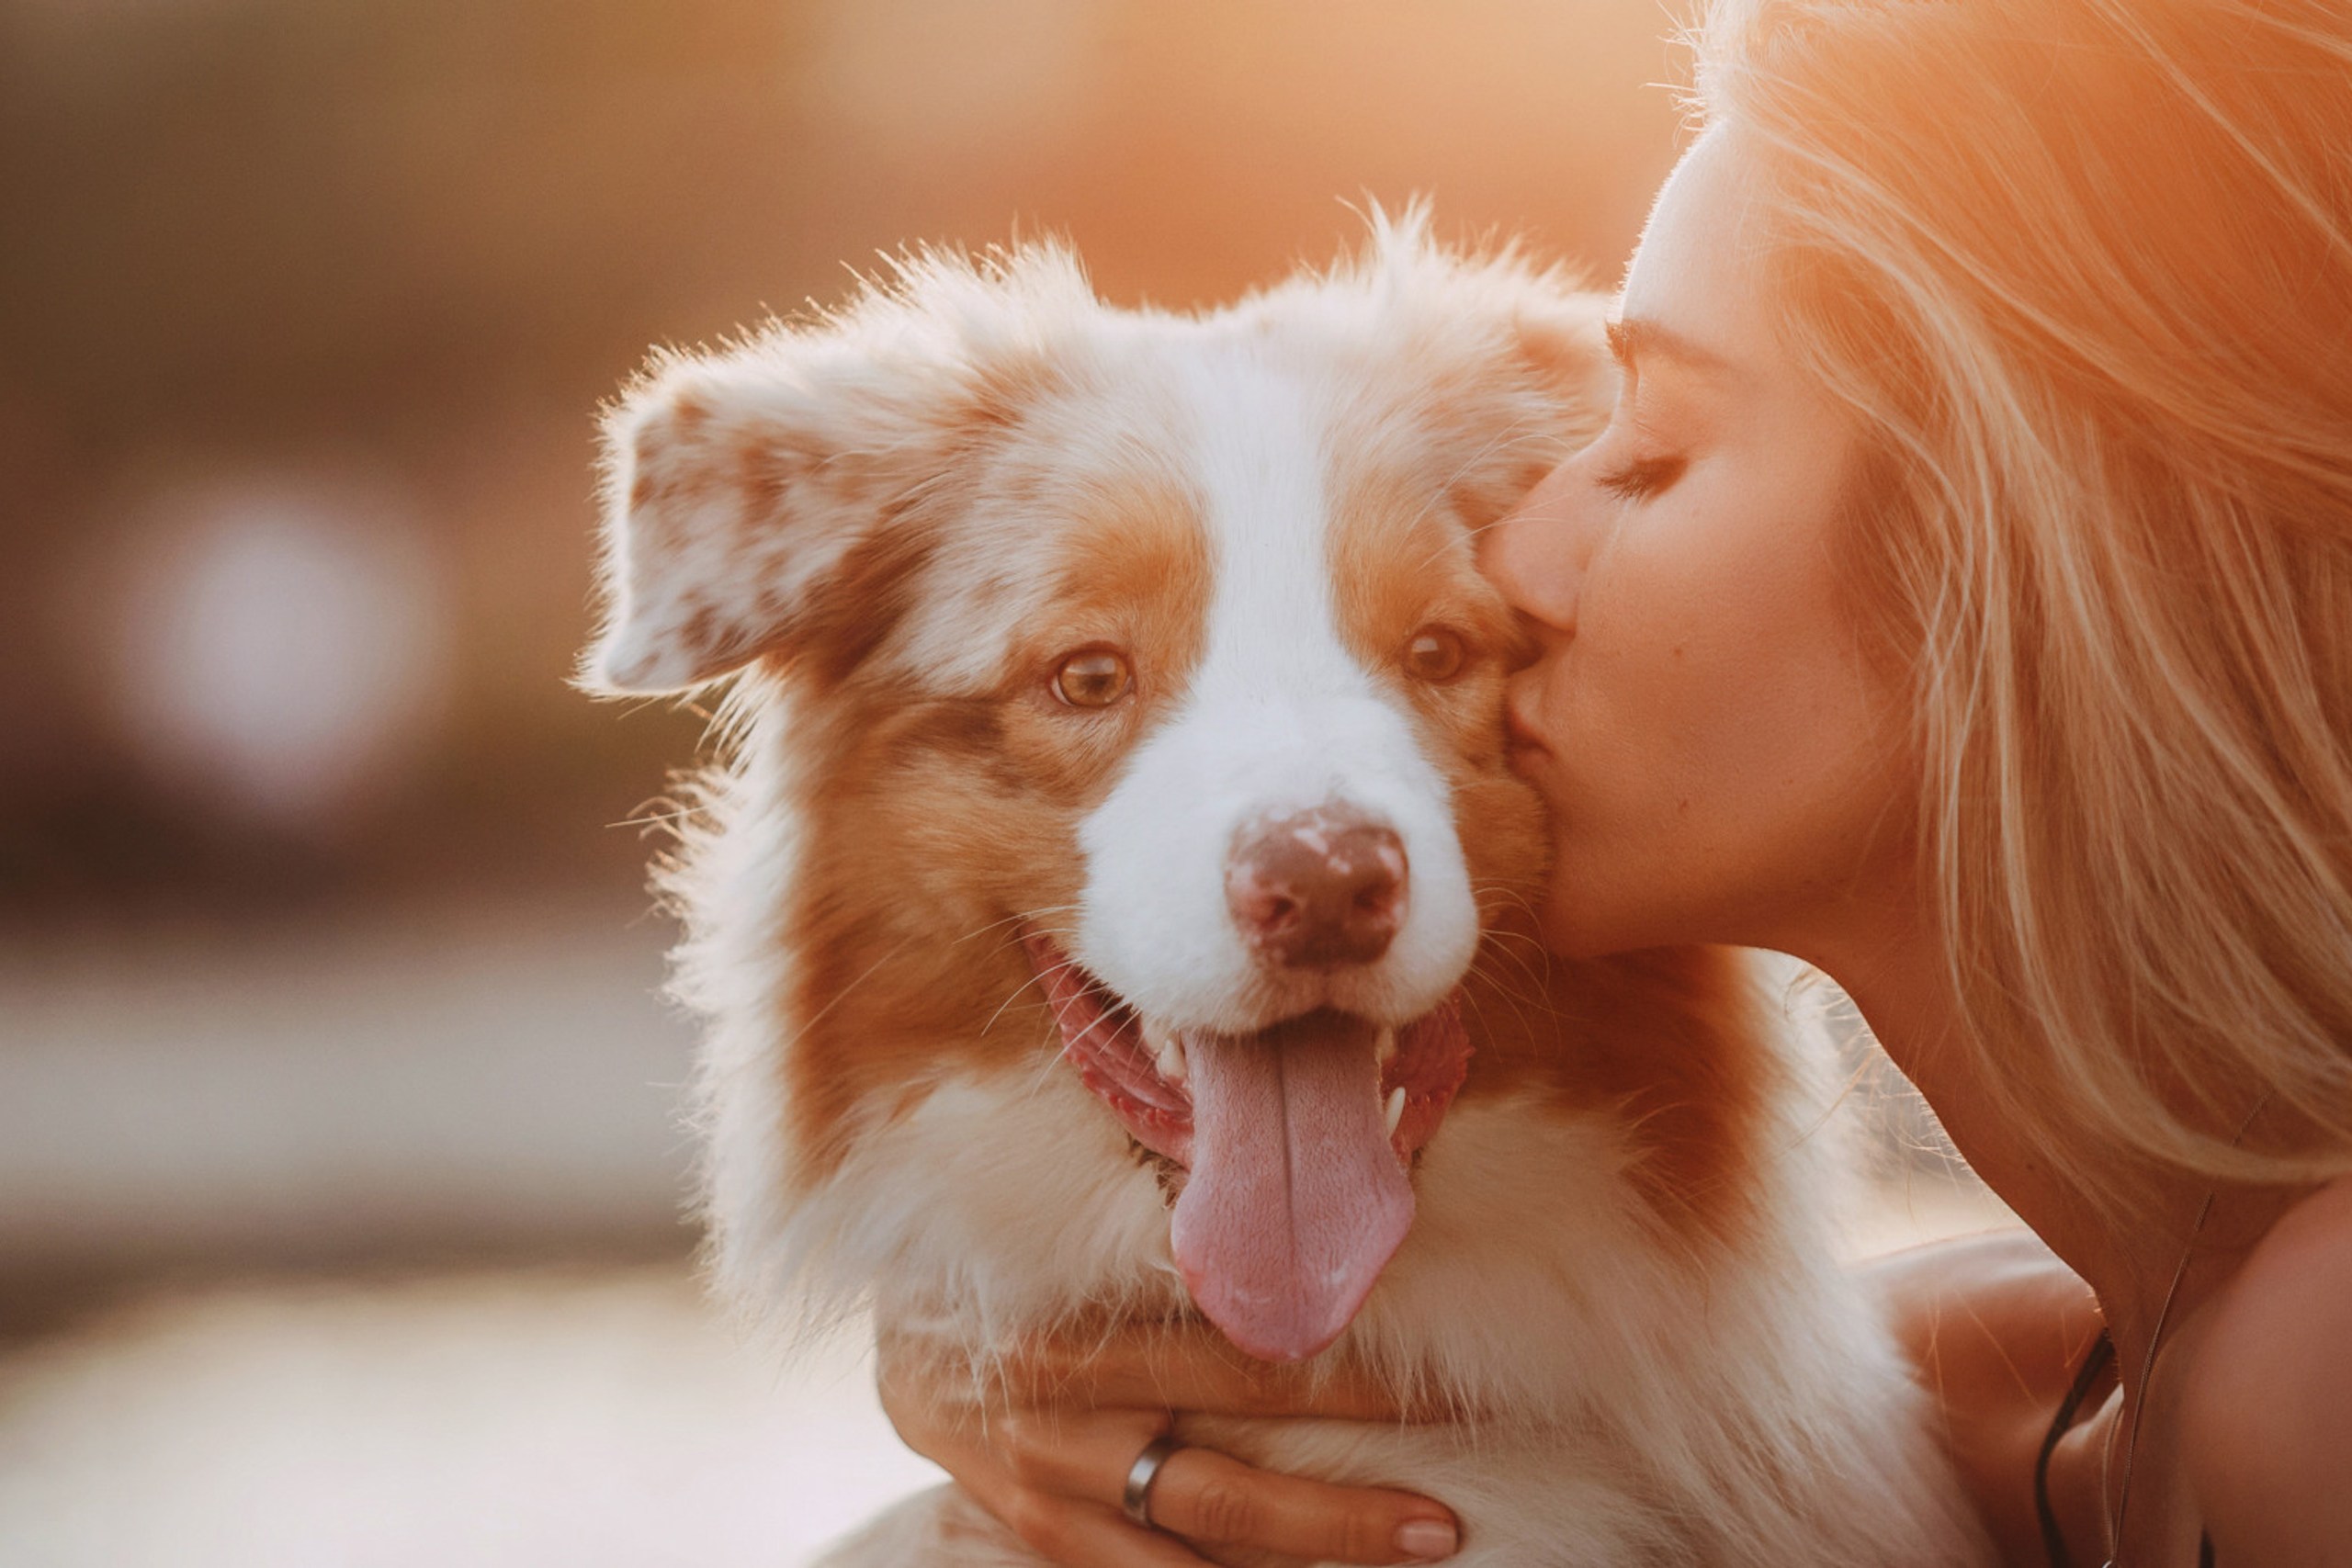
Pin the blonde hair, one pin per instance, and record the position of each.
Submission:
(2083, 271)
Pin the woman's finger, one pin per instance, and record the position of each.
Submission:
(1054, 1468)
(1021, 1468)
(1075, 1453)
(1208, 1496)
(1205, 1496)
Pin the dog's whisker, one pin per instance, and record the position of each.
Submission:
(1519, 961)
(1060, 1010)
(1508, 996)
(1502, 988)
(1012, 920)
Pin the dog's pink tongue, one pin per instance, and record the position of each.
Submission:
(1296, 1199)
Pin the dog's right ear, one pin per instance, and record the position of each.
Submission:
(760, 497)
(739, 486)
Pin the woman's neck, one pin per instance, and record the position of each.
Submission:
(2151, 1260)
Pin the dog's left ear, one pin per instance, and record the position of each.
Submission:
(1561, 336)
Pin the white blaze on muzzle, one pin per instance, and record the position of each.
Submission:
(1279, 719)
(1276, 884)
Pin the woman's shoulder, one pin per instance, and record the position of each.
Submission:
(2266, 1416)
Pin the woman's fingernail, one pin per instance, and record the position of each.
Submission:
(1427, 1539)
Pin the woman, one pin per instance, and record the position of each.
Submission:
(1961, 599)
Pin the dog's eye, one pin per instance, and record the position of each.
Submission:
(1434, 655)
(1093, 678)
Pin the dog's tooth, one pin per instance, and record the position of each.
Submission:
(1167, 1054)
(1387, 1047)
(1395, 1108)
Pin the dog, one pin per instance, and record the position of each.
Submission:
(1114, 907)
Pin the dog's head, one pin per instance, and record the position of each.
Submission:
(1148, 652)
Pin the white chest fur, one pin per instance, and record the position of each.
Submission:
(1626, 1400)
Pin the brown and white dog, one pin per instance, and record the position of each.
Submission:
(1112, 906)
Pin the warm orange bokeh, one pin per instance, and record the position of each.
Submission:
(375, 266)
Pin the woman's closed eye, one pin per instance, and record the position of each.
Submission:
(1641, 477)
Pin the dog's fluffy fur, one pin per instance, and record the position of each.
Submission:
(888, 526)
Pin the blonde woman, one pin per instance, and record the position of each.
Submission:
(1961, 600)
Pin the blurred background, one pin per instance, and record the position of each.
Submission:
(339, 1162)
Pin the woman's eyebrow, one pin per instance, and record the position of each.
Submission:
(1634, 338)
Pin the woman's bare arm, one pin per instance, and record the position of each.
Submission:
(1997, 1325)
(1048, 1450)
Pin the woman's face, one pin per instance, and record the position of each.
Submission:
(1721, 760)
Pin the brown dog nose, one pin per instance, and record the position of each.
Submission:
(1318, 890)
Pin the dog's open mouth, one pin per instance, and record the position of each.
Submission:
(1295, 1140)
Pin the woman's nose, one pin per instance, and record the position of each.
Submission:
(1535, 555)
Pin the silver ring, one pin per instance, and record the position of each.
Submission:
(1136, 1501)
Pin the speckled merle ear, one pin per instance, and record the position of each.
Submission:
(739, 488)
(756, 498)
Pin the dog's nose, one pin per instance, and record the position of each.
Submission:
(1318, 890)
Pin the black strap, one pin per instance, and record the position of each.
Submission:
(2052, 1540)
(2053, 1543)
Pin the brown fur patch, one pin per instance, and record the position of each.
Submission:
(934, 826)
(1670, 1040)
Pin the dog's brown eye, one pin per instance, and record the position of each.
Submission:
(1093, 678)
(1435, 654)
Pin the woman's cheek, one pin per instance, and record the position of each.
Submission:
(1631, 657)
(1611, 717)
(1657, 742)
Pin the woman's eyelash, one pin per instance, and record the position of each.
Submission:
(1644, 476)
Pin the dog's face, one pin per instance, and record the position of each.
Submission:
(1140, 664)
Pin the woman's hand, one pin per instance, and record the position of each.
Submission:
(1048, 1445)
